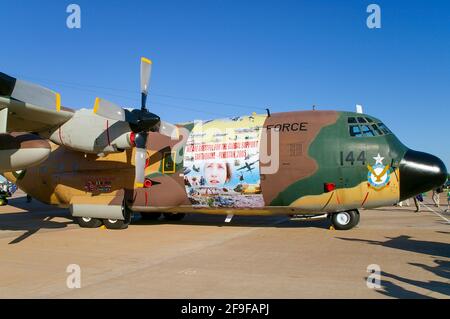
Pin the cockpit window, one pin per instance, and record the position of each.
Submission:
(361, 120)
(367, 131)
(384, 128)
(355, 130)
(376, 129)
(366, 127)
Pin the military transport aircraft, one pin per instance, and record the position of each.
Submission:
(109, 162)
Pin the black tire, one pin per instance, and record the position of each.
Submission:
(88, 222)
(345, 220)
(174, 216)
(150, 216)
(118, 223)
(115, 223)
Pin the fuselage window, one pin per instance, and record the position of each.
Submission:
(169, 162)
(351, 120)
(369, 120)
(355, 130)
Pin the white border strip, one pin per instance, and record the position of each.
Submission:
(433, 211)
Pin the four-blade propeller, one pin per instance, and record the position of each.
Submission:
(141, 121)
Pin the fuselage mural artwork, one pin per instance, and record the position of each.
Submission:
(221, 163)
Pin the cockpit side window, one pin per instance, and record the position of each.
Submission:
(376, 129)
(384, 128)
(367, 131)
(355, 130)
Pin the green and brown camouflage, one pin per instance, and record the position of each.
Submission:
(323, 167)
(108, 162)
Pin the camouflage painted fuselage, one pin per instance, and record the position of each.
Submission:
(328, 161)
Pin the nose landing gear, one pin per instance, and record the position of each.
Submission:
(345, 220)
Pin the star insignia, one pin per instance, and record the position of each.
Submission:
(378, 159)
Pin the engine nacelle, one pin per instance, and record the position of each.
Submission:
(89, 133)
(22, 150)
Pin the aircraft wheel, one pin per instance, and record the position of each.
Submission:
(3, 202)
(174, 216)
(345, 220)
(88, 222)
(118, 223)
(115, 224)
(150, 216)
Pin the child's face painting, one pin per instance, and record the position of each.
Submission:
(216, 173)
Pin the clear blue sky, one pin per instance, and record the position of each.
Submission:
(286, 54)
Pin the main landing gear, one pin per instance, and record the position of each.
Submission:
(90, 222)
(345, 220)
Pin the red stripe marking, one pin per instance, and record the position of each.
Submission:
(107, 132)
(367, 195)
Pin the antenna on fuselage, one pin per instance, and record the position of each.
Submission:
(359, 108)
(268, 112)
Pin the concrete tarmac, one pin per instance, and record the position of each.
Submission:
(203, 257)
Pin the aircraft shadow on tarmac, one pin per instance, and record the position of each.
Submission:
(31, 221)
(404, 242)
(435, 249)
(37, 216)
(442, 269)
(238, 221)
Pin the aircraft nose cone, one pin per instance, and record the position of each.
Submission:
(420, 172)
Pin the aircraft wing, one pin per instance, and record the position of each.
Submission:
(27, 117)
(31, 108)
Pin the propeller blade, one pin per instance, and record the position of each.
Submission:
(168, 129)
(109, 110)
(140, 158)
(146, 70)
(29, 92)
